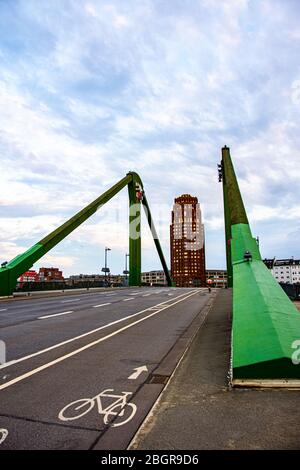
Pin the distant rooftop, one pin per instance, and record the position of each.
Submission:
(281, 262)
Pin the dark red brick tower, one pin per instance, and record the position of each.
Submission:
(187, 243)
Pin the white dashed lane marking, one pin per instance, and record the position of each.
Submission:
(54, 315)
(101, 305)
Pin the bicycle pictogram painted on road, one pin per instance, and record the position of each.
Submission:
(119, 411)
(3, 435)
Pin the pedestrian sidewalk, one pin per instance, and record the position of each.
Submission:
(198, 410)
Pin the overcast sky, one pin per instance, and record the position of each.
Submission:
(90, 89)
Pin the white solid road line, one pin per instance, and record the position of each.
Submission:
(107, 295)
(126, 300)
(43, 351)
(101, 305)
(54, 315)
(3, 309)
(146, 295)
(89, 345)
(66, 301)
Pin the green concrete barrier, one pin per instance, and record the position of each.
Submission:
(266, 324)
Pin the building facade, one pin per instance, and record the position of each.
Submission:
(187, 243)
(96, 279)
(286, 271)
(154, 278)
(29, 276)
(50, 275)
(44, 275)
(216, 277)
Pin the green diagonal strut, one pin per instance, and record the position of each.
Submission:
(21, 263)
(266, 324)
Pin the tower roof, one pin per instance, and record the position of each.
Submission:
(186, 198)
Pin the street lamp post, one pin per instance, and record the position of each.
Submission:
(106, 269)
(126, 272)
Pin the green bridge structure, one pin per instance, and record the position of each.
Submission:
(265, 325)
(137, 198)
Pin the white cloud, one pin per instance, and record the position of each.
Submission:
(63, 262)
(9, 250)
(28, 227)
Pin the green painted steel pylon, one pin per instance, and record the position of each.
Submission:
(266, 324)
(234, 210)
(134, 188)
(21, 263)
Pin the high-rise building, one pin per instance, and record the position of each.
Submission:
(187, 243)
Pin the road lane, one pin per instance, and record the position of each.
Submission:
(155, 310)
(19, 312)
(104, 365)
(26, 338)
(18, 302)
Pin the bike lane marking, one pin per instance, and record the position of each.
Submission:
(138, 372)
(89, 345)
(50, 348)
(119, 404)
(4, 435)
(55, 315)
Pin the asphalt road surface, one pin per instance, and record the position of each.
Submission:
(83, 371)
